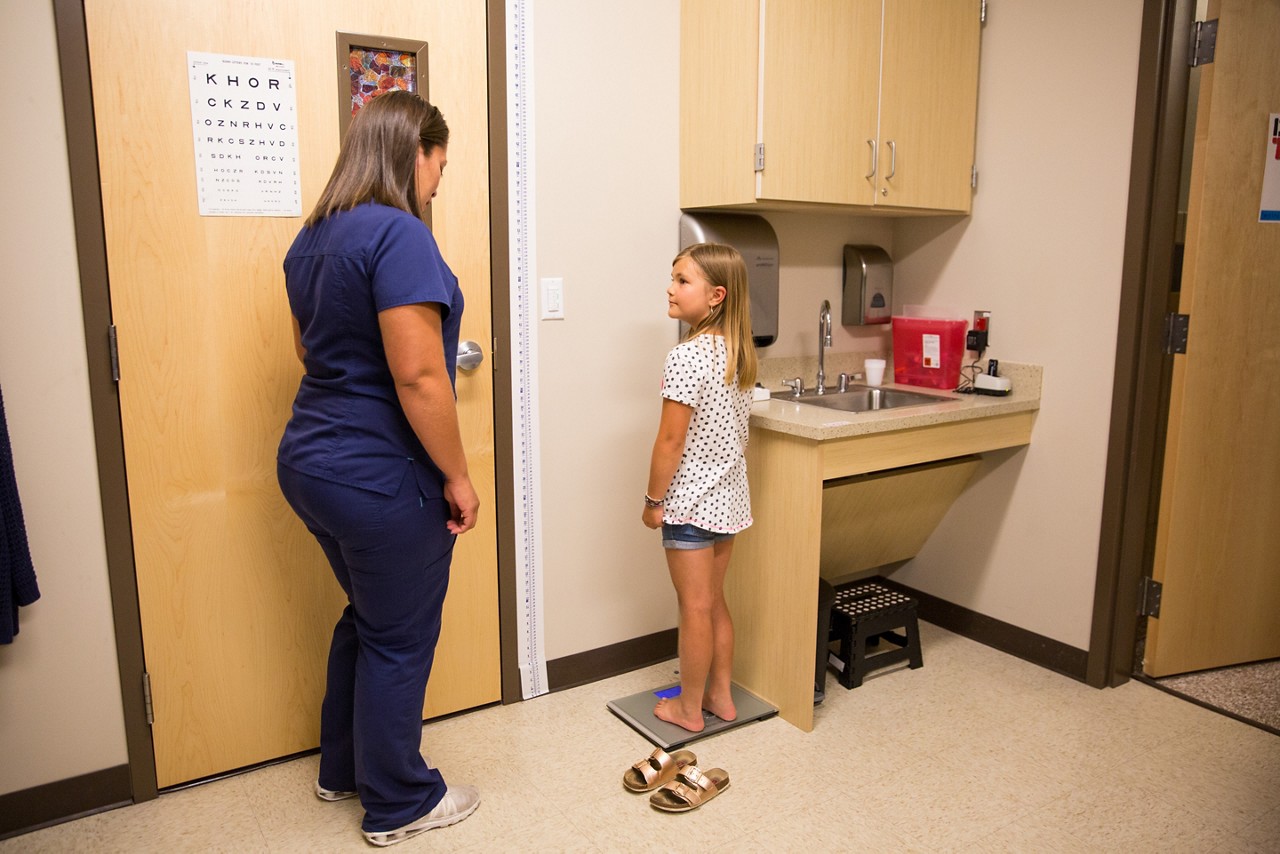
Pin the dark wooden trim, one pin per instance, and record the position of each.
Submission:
(997, 634)
(500, 307)
(1139, 408)
(63, 800)
(596, 664)
(104, 399)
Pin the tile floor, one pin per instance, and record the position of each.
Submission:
(977, 751)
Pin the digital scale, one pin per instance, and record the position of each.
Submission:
(637, 712)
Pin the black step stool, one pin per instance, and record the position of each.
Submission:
(864, 611)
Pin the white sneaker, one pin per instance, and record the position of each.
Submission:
(458, 803)
(329, 795)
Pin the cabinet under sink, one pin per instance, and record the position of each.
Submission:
(880, 518)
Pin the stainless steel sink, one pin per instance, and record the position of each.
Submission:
(862, 398)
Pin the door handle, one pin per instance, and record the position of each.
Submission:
(875, 157)
(893, 160)
(470, 356)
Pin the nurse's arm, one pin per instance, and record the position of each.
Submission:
(414, 345)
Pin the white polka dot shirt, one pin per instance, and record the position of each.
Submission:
(709, 489)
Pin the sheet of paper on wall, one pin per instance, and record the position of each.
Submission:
(1269, 211)
(244, 116)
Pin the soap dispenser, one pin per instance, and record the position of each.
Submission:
(868, 286)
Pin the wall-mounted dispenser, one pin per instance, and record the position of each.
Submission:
(755, 239)
(868, 286)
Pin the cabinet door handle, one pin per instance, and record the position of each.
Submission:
(893, 160)
(875, 153)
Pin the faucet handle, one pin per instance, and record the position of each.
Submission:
(796, 385)
(844, 382)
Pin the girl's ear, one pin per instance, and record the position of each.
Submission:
(718, 293)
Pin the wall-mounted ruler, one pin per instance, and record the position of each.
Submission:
(524, 349)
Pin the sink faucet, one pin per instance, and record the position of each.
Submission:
(824, 341)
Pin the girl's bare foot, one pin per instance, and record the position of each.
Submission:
(724, 708)
(673, 712)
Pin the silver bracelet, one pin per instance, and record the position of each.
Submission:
(653, 502)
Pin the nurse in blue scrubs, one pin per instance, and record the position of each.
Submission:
(372, 459)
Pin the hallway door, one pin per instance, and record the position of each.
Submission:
(236, 599)
(1218, 535)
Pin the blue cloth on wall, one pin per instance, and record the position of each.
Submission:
(17, 574)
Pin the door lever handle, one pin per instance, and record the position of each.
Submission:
(470, 356)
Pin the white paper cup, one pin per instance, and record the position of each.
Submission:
(874, 369)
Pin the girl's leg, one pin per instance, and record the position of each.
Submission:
(718, 699)
(706, 634)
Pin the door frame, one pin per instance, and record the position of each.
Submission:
(1140, 397)
(104, 398)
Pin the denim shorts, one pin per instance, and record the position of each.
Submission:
(690, 537)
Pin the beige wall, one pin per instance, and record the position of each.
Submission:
(60, 708)
(605, 85)
(1042, 251)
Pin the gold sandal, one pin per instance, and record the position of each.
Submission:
(690, 789)
(648, 774)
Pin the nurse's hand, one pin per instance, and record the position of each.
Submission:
(464, 505)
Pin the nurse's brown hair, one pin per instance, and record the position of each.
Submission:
(379, 157)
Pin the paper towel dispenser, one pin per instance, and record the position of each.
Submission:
(868, 286)
(755, 239)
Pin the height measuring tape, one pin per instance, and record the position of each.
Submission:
(524, 374)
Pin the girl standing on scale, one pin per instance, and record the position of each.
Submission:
(698, 474)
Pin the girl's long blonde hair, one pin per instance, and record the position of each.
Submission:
(723, 267)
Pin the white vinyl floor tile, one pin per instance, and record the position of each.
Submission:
(975, 752)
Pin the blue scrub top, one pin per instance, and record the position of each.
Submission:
(347, 425)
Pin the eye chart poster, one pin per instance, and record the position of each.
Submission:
(244, 115)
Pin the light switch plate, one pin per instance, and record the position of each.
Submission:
(553, 299)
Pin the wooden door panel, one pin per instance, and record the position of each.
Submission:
(1217, 542)
(236, 599)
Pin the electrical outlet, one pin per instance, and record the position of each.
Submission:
(976, 338)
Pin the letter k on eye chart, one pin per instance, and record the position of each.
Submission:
(244, 114)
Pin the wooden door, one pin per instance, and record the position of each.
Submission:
(928, 103)
(821, 67)
(237, 602)
(1218, 537)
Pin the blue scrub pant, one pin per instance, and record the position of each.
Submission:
(391, 555)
